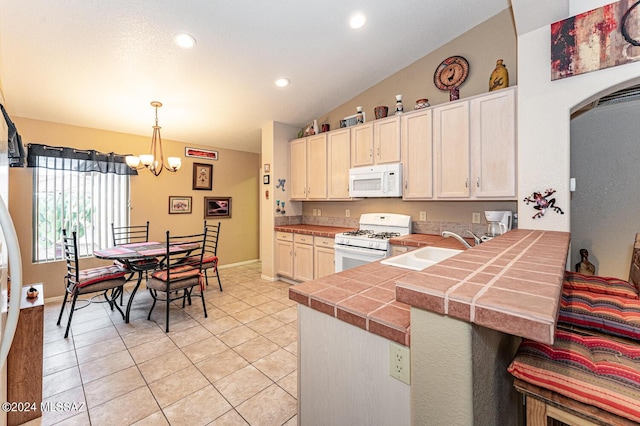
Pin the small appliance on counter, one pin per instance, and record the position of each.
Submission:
(498, 222)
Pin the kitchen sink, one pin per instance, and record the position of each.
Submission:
(420, 259)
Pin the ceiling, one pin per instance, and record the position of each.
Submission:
(99, 64)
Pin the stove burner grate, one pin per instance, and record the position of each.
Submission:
(384, 235)
(358, 233)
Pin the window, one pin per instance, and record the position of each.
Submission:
(69, 194)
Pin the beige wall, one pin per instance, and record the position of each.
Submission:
(481, 47)
(234, 174)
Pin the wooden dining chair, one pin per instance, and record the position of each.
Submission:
(175, 278)
(210, 259)
(85, 281)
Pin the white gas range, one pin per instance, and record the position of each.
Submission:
(371, 241)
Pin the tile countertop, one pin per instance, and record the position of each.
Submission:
(510, 284)
(315, 230)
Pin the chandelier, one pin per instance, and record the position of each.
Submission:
(152, 161)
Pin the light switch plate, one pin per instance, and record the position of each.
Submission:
(423, 216)
(319, 212)
(475, 218)
(315, 212)
(347, 213)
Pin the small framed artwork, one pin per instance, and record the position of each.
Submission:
(201, 153)
(178, 205)
(217, 207)
(202, 176)
(267, 168)
(265, 179)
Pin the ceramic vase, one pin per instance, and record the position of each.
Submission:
(399, 107)
(380, 111)
(499, 77)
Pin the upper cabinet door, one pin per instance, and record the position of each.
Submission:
(451, 145)
(362, 145)
(317, 167)
(493, 145)
(417, 155)
(338, 164)
(386, 140)
(298, 168)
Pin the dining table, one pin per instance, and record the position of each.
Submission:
(141, 258)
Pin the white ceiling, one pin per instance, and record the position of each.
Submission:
(99, 64)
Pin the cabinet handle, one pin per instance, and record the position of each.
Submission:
(466, 183)
(371, 153)
(478, 181)
(405, 184)
(378, 152)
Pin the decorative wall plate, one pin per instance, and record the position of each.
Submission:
(450, 74)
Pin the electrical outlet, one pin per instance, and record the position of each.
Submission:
(400, 362)
(347, 213)
(423, 216)
(475, 218)
(315, 212)
(319, 212)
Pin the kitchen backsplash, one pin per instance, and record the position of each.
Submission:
(434, 228)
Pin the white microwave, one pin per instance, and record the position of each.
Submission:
(384, 180)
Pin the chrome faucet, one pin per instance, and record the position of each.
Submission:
(476, 240)
(448, 234)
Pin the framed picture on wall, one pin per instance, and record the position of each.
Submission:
(217, 207)
(202, 176)
(179, 205)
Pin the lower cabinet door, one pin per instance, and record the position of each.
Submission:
(303, 262)
(284, 258)
(324, 262)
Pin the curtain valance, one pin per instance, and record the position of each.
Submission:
(77, 160)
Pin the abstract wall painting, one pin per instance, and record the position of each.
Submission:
(601, 38)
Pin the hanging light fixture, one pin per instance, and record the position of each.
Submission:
(152, 161)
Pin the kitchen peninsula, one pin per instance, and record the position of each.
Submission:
(463, 319)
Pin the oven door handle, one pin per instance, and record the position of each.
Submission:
(359, 250)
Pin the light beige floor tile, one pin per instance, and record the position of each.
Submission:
(57, 347)
(256, 348)
(60, 381)
(59, 362)
(190, 335)
(256, 300)
(99, 350)
(54, 332)
(178, 385)
(136, 326)
(167, 364)
(237, 336)
(74, 395)
(282, 336)
(199, 408)
(230, 418)
(153, 349)
(293, 421)
(80, 326)
(249, 315)
(277, 364)
(286, 315)
(142, 336)
(156, 419)
(81, 419)
(221, 325)
(232, 308)
(105, 366)
(290, 384)
(265, 325)
(272, 406)
(292, 348)
(272, 307)
(97, 336)
(221, 365)
(242, 385)
(113, 386)
(126, 409)
(204, 349)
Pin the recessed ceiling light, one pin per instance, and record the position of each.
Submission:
(184, 40)
(282, 82)
(357, 21)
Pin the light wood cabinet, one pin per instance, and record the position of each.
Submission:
(338, 164)
(475, 147)
(451, 147)
(323, 257)
(362, 145)
(308, 158)
(493, 144)
(417, 155)
(302, 257)
(284, 254)
(376, 143)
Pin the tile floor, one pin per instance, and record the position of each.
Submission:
(236, 367)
